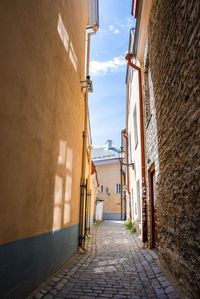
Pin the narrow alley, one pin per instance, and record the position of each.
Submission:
(115, 266)
(100, 149)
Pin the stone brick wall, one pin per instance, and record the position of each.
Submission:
(174, 60)
(151, 139)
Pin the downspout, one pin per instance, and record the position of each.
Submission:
(84, 148)
(121, 177)
(96, 189)
(84, 152)
(127, 168)
(89, 194)
(144, 213)
(121, 187)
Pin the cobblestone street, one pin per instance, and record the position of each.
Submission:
(115, 266)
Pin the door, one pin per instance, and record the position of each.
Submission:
(154, 209)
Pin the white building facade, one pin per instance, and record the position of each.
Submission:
(134, 144)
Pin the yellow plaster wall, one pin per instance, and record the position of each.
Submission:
(144, 22)
(109, 176)
(42, 61)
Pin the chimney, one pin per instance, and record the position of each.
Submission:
(108, 144)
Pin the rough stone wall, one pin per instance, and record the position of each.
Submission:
(174, 57)
(151, 139)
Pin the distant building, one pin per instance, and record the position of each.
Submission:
(94, 189)
(106, 160)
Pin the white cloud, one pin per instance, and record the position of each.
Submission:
(126, 23)
(100, 68)
(101, 30)
(116, 31)
(111, 27)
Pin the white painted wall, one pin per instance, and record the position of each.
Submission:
(99, 211)
(134, 150)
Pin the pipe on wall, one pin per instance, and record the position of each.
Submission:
(88, 210)
(84, 150)
(128, 57)
(121, 179)
(127, 169)
(121, 188)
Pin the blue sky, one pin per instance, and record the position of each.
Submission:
(107, 104)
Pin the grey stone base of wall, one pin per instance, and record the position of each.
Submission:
(26, 263)
(111, 216)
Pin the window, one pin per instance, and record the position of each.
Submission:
(118, 188)
(135, 127)
(101, 189)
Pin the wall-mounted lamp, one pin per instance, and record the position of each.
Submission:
(87, 84)
(122, 156)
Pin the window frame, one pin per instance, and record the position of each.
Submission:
(118, 189)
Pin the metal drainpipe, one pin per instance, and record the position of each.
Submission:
(121, 187)
(127, 168)
(144, 213)
(89, 194)
(84, 149)
(121, 177)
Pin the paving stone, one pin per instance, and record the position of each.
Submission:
(111, 269)
(169, 290)
(48, 296)
(47, 287)
(165, 283)
(43, 291)
(53, 292)
(173, 295)
(52, 283)
(39, 295)
(161, 278)
(56, 279)
(163, 296)
(159, 292)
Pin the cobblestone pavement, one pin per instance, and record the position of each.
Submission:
(116, 266)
